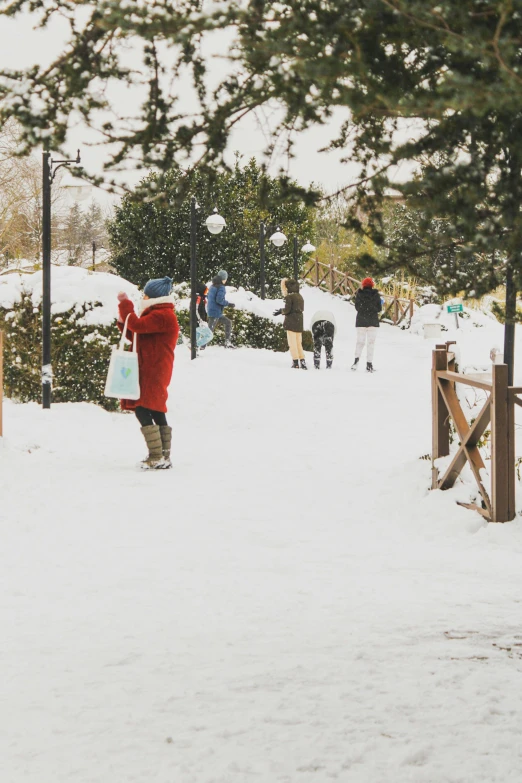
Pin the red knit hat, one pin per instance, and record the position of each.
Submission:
(368, 282)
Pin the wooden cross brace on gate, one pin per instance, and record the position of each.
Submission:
(499, 410)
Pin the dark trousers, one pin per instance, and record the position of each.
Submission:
(323, 334)
(227, 323)
(146, 417)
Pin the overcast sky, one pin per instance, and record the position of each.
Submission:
(22, 46)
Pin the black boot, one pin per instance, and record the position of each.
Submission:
(329, 364)
(354, 365)
(369, 367)
(303, 365)
(295, 364)
(317, 365)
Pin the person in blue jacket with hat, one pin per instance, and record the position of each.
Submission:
(216, 303)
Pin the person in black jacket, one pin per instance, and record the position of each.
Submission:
(202, 291)
(368, 305)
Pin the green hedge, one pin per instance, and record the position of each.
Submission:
(80, 354)
(249, 330)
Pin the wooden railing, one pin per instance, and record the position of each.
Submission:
(498, 505)
(336, 282)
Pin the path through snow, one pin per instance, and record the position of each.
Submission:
(289, 604)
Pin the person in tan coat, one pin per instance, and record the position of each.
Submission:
(293, 323)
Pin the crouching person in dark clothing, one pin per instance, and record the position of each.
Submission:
(216, 303)
(201, 301)
(323, 328)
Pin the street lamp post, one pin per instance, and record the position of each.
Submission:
(262, 234)
(307, 248)
(509, 325)
(278, 239)
(49, 173)
(193, 280)
(215, 224)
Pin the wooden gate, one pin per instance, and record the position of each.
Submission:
(498, 410)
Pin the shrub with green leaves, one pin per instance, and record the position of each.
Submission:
(81, 351)
(80, 354)
(249, 330)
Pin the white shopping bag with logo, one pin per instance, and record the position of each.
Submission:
(123, 378)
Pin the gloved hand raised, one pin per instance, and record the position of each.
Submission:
(122, 296)
(231, 304)
(278, 312)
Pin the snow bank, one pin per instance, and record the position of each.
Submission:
(434, 313)
(70, 287)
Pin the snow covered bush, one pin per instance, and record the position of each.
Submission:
(249, 330)
(253, 325)
(80, 354)
(84, 308)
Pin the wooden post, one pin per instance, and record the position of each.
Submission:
(502, 436)
(316, 271)
(1, 380)
(440, 417)
(411, 309)
(512, 478)
(395, 311)
(332, 282)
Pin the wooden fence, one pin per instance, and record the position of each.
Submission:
(497, 505)
(336, 282)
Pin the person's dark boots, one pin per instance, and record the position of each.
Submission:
(317, 365)
(369, 367)
(152, 436)
(295, 364)
(303, 365)
(166, 442)
(329, 364)
(354, 365)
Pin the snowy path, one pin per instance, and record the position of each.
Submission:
(288, 604)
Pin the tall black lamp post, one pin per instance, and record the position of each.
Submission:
(215, 224)
(278, 239)
(262, 235)
(509, 325)
(307, 248)
(50, 167)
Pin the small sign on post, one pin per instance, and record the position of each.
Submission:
(455, 308)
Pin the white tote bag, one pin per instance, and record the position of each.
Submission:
(123, 378)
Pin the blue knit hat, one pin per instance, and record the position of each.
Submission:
(223, 275)
(156, 288)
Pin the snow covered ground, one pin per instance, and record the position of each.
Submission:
(289, 604)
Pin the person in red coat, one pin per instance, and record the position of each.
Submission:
(157, 333)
